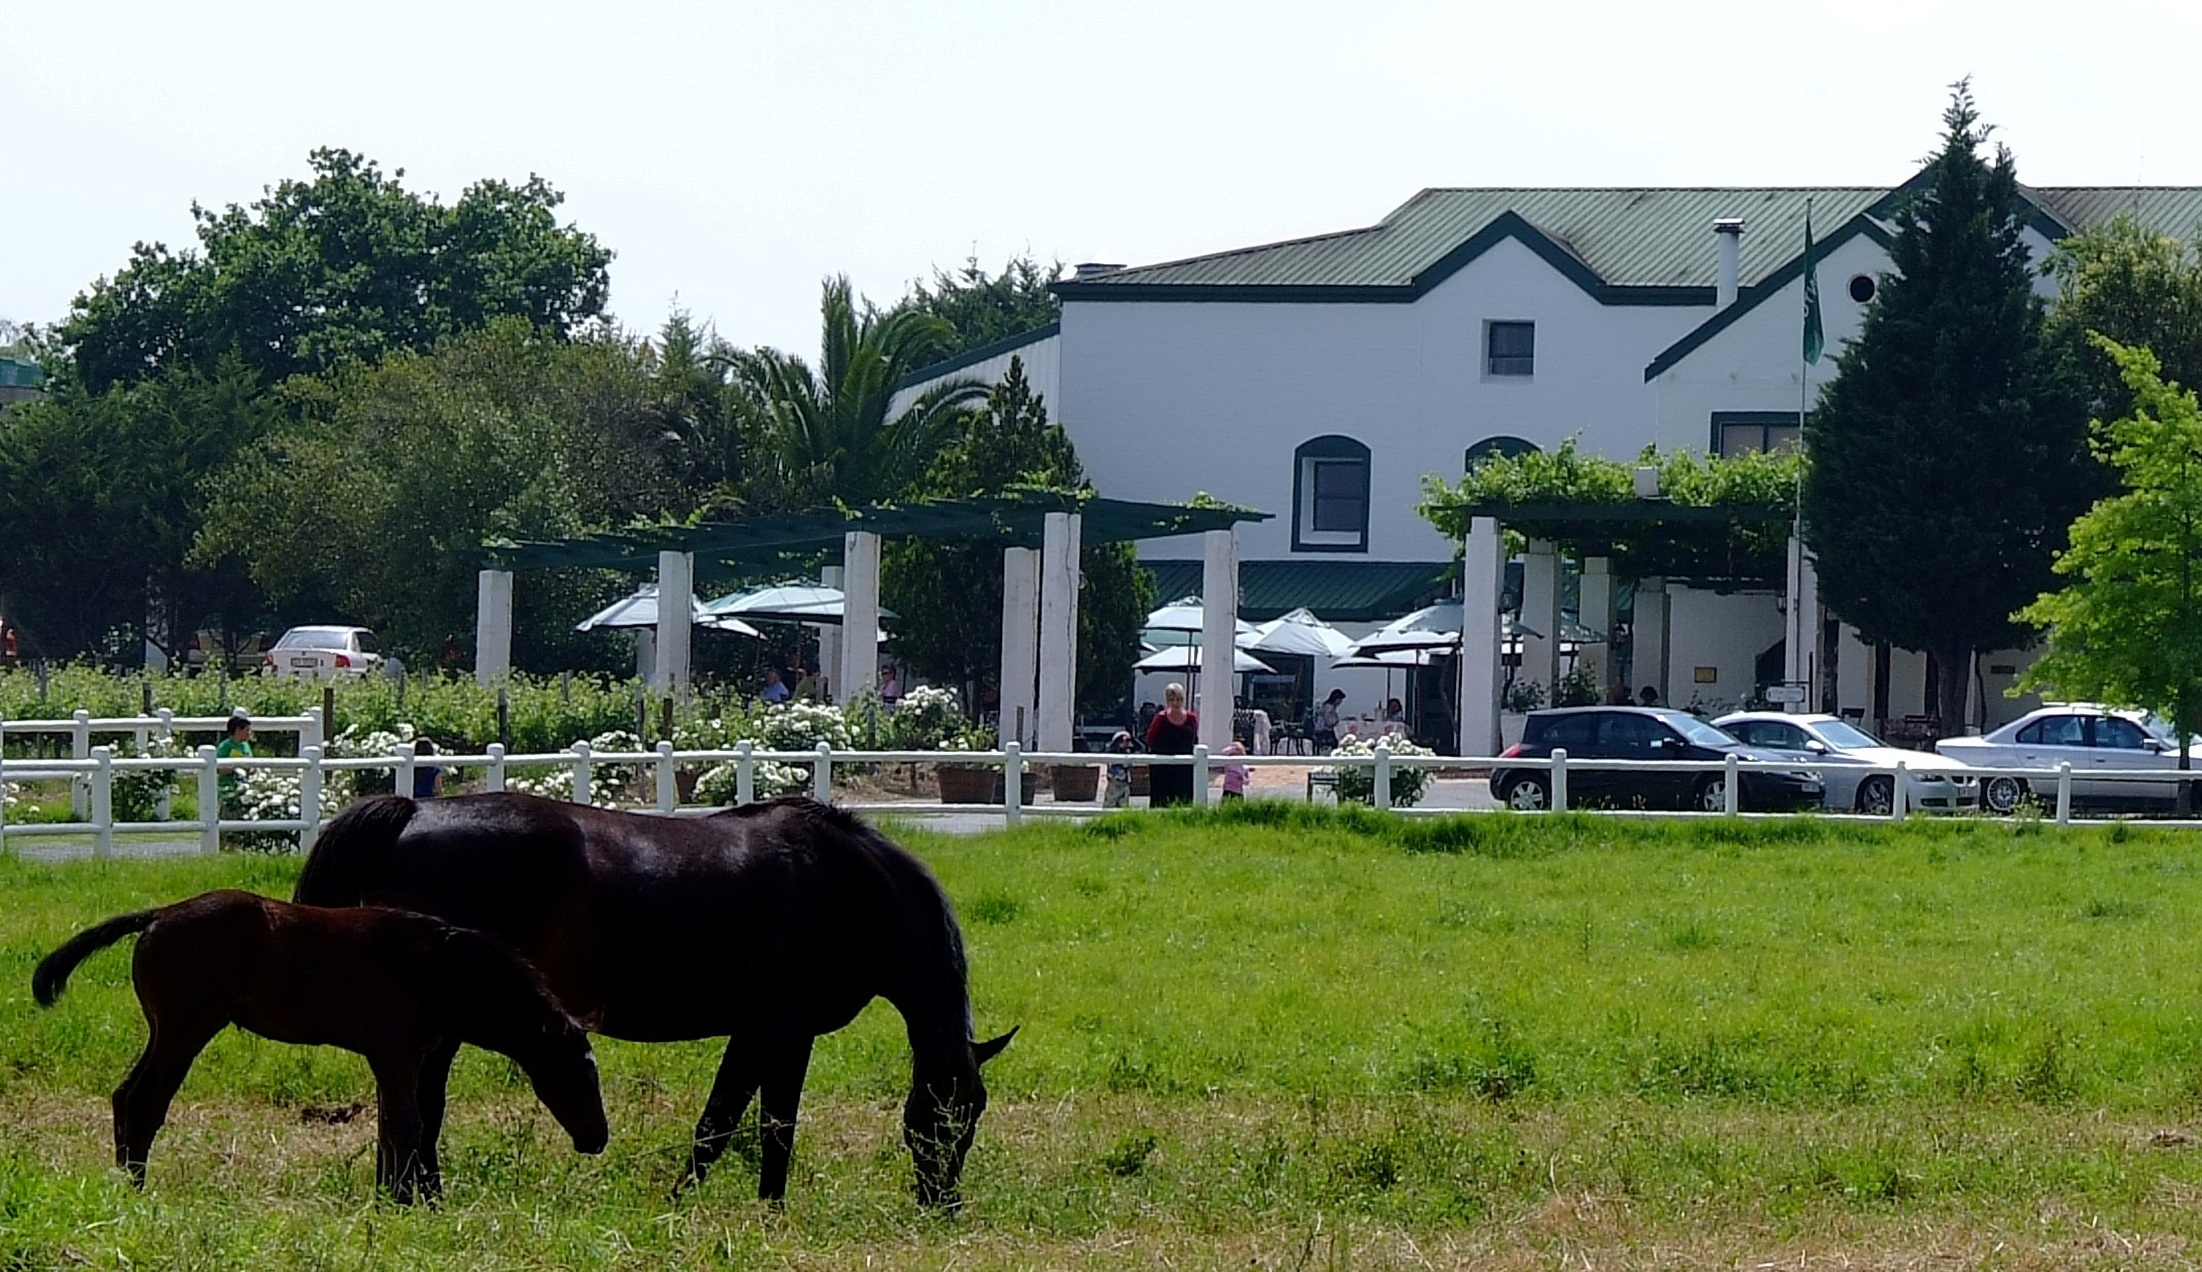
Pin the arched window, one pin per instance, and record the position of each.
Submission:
(1502, 445)
(1330, 496)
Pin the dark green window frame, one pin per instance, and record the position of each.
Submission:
(1330, 495)
(1764, 423)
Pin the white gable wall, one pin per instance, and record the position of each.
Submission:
(1166, 399)
(1043, 361)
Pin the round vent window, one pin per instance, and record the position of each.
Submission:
(1861, 288)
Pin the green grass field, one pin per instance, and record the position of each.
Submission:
(1276, 1037)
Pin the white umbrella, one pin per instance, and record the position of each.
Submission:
(1433, 627)
(1187, 616)
(1187, 658)
(788, 603)
(1299, 632)
(1395, 660)
(641, 610)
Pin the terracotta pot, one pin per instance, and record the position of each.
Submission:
(959, 785)
(1140, 783)
(1074, 783)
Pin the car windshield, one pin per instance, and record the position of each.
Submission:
(1844, 736)
(1697, 731)
(311, 640)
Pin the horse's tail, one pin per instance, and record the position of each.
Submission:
(334, 874)
(52, 975)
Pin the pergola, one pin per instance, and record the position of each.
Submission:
(1040, 534)
(1653, 540)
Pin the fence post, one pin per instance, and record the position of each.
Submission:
(581, 791)
(210, 802)
(668, 794)
(1731, 786)
(1013, 783)
(2064, 792)
(401, 769)
(80, 748)
(1900, 797)
(1200, 775)
(314, 732)
(103, 802)
(1380, 786)
(1559, 779)
(3, 790)
(163, 803)
(821, 775)
(494, 779)
(745, 773)
(309, 796)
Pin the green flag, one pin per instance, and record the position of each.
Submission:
(1814, 341)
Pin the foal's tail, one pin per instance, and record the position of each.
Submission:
(52, 975)
(334, 873)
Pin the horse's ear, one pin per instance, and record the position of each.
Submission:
(992, 1047)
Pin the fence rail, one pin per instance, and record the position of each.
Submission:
(93, 774)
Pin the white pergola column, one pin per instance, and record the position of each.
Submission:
(1020, 642)
(492, 626)
(1541, 614)
(1801, 631)
(1219, 630)
(1649, 632)
(859, 670)
(1059, 536)
(829, 641)
(1594, 609)
(676, 621)
(1482, 575)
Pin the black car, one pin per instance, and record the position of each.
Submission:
(1645, 733)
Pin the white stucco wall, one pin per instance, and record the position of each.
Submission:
(1726, 633)
(1043, 371)
(1164, 400)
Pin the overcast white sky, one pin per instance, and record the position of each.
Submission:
(734, 154)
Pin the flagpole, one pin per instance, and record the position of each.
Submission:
(1797, 623)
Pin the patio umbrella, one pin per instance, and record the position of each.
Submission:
(1299, 632)
(1187, 658)
(1396, 660)
(788, 603)
(1185, 616)
(641, 610)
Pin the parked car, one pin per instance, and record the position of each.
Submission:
(1846, 757)
(320, 652)
(1645, 733)
(2088, 737)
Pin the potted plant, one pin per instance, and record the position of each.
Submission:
(1074, 783)
(968, 783)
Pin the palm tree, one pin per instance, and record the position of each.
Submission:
(829, 429)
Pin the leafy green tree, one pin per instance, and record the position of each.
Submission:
(1949, 456)
(349, 264)
(949, 596)
(983, 308)
(374, 504)
(2127, 627)
(831, 430)
(2140, 288)
(105, 495)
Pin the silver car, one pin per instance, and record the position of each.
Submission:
(2092, 739)
(1857, 766)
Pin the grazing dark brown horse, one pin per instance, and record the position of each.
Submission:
(768, 925)
(396, 988)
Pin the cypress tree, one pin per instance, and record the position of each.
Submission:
(1949, 457)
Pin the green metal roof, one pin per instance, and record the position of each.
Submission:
(1338, 591)
(1626, 245)
(1012, 520)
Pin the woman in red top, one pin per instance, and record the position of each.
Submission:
(1173, 731)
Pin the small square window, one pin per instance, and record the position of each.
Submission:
(1510, 348)
(1752, 432)
(1341, 500)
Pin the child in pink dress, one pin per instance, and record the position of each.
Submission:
(1234, 775)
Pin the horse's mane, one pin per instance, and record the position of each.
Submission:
(496, 967)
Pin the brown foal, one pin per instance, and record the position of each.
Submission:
(395, 987)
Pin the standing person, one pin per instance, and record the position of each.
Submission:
(427, 778)
(806, 688)
(236, 744)
(1173, 731)
(1326, 722)
(1649, 697)
(1395, 712)
(1119, 790)
(1234, 775)
(890, 686)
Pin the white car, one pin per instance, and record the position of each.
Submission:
(318, 653)
(1857, 766)
(2090, 738)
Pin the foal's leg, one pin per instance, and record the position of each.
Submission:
(398, 1162)
(784, 1068)
(141, 1102)
(722, 1112)
(435, 1079)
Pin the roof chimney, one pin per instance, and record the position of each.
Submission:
(1095, 269)
(1728, 242)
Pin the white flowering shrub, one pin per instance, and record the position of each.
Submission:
(1358, 783)
(925, 719)
(136, 793)
(607, 782)
(721, 783)
(801, 726)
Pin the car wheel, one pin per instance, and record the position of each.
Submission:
(1529, 795)
(1877, 796)
(2002, 795)
(1711, 795)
